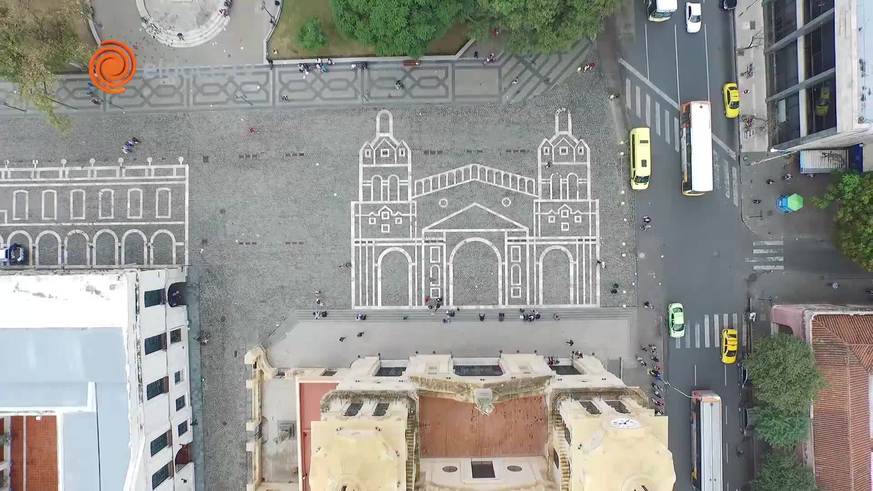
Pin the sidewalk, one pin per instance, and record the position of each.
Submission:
(764, 219)
(209, 88)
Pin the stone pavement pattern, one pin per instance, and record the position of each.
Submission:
(270, 209)
(160, 89)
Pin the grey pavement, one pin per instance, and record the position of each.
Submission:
(269, 211)
(150, 27)
(162, 88)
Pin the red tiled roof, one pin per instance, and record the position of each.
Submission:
(843, 348)
(449, 428)
(34, 453)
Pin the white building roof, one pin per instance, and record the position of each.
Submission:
(63, 350)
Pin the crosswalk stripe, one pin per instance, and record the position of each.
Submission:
(727, 182)
(764, 259)
(627, 93)
(667, 125)
(676, 133)
(648, 110)
(715, 326)
(735, 318)
(768, 267)
(766, 243)
(639, 106)
(687, 337)
(765, 251)
(706, 338)
(678, 342)
(736, 186)
(725, 321)
(716, 172)
(696, 335)
(657, 118)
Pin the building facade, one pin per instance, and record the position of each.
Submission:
(436, 422)
(98, 364)
(803, 69)
(408, 234)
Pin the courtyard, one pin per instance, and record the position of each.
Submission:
(277, 204)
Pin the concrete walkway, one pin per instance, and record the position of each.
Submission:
(510, 79)
(151, 28)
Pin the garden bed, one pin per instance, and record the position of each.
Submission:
(283, 43)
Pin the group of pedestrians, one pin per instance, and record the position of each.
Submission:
(320, 65)
(653, 366)
(130, 144)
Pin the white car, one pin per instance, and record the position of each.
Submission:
(693, 18)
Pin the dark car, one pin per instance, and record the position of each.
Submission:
(13, 255)
(728, 4)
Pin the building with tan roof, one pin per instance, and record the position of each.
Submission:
(436, 422)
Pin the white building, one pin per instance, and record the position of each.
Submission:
(809, 79)
(94, 381)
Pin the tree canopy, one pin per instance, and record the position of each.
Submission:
(853, 194)
(784, 373)
(396, 27)
(781, 472)
(311, 35)
(541, 26)
(779, 428)
(33, 45)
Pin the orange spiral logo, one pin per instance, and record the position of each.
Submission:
(112, 66)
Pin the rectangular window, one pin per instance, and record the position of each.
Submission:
(162, 475)
(156, 388)
(161, 443)
(153, 297)
(183, 428)
(177, 377)
(180, 403)
(176, 335)
(155, 343)
(482, 469)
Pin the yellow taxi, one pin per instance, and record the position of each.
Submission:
(729, 346)
(731, 96)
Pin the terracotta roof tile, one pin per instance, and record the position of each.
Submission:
(843, 348)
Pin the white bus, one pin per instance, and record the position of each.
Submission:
(661, 10)
(706, 440)
(696, 147)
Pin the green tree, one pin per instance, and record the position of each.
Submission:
(34, 45)
(781, 472)
(396, 27)
(541, 26)
(782, 367)
(853, 194)
(779, 428)
(311, 35)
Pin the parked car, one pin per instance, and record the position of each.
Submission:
(730, 346)
(13, 255)
(676, 320)
(693, 17)
(731, 98)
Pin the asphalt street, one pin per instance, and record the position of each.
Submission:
(695, 252)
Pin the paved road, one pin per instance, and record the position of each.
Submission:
(510, 79)
(698, 251)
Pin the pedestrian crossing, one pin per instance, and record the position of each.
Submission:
(706, 333)
(767, 255)
(652, 108)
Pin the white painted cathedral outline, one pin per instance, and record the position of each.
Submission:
(552, 214)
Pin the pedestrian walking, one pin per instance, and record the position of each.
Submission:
(569, 342)
(613, 96)
(476, 54)
(655, 358)
(252, 130)
(787, 177)
(640, 359)
(647, 305)
(514, 81)
(398, 85)
(359, 334)
(601, 264)
(756, 201)
(644, 364)
(835, 285)
(647, 219)
(180, 36)
(653, 347)
(481, 317)
(501, 316)
(556, 316)
(770, 181)
(342, 338)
